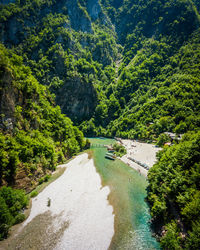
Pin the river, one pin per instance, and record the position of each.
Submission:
(128, 193)
(96, 204)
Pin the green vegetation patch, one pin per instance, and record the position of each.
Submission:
(12, 203)
(40, 136)
(119, 149)
(174, 193)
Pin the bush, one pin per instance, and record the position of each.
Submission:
(46, 178)
(41, 180)
(119, 149)
(174, 184)
(4, 230)
(34, 194)
(19, 218)
(11, 203)
(171, 240)
(162, 139)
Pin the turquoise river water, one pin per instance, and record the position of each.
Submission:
(128, 192)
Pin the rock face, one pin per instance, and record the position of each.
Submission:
(77, 99)
(78, 18)
(7, 96)
(10, 96)
(61, 45)
(93, 8)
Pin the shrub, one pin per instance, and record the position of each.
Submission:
(19, 218)
(11, 203)
(162, 139)
(41, 180)
(34, 194)
(119, 149)
(46, 178)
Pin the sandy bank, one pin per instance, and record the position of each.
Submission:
(79, 216)
(143, 152)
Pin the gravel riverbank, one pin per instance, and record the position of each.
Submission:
(142, 152)
(71, 213)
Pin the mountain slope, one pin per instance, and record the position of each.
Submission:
(67, 44)
(160, 58)
(160, 91)
(174, 194)
(34, 135)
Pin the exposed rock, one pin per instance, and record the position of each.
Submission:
(7, 124)
(13, 30)
(78, 18)
(77, 99)
(93, 8)
(7, 96)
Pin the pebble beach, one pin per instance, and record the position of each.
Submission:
(142, 152)
(73, 212)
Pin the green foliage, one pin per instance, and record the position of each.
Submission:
(42, 135)
(139, 89)
(11, 204)
(119, 149)
(62, 50)
(154, 81)
(174, 192)
(162, 139)
(43, 179)
(149, 99)
(34, 194)
(171, 240)
(19, 218)
(193, 241)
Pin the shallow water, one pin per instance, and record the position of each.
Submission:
(128, 192)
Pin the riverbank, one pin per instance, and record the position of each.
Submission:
(142, 152)
(72, 212)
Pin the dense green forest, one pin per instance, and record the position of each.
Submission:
(122, 68)
(157, 80)
(73, 55)
(38, 135)
(174, 193)
(113, 73)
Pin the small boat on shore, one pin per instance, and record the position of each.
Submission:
(110, 156)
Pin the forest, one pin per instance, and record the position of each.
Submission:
(174, 194)
(121, 68)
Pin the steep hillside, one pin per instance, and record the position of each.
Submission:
(157, 86)
(174, 194)
(34, 135)
(161, 93)
(174, 19)
(69, 45)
